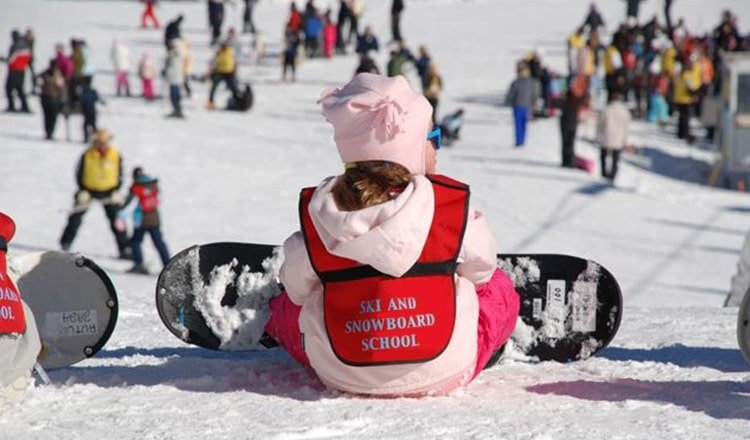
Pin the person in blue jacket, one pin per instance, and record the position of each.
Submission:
(521, 97)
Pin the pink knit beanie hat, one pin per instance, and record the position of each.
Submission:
(375, 117)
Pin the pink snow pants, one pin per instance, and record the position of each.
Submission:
(122, 81)
(148, 88)
(498, 311)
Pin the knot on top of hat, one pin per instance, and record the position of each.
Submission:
(390, 117)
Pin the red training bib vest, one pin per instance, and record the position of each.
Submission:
(148, 197)
(12, 318)
(375, 319)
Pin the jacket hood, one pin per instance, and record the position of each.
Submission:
(388, 236)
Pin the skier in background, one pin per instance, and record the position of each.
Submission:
(521, 96)
(422, 64)
(291, 49)
(367, 64)
(433, 88)
(142, 203)
(63, 62)
(344, 17)
(685, 86)
(215, 19)
(397, 8)
(568, 127)
(357, 8)
(99, 177)
(52, 97)
(18, 59)
(19, 336)
(329, 36)
(367, 41)
(389, 194)
(295, 18)
(397, 63)
(451, 126)
(147, 73)
(120, 55)
(76, 79)
(89, 98)
(30, 38)
(612, 135)
(633, 7)
(593, 19)
(174, 73)
(149, 13)
(187, 68)
(224, 70)
(173, 31)
(83, 71)
(248, 26)
(313, 29)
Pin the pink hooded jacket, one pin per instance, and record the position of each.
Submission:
(390, 237)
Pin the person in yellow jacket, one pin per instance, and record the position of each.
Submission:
(669, 60)
(613, 70)
(99, 177)
(224, 70)
(685, 83)
(576, 44)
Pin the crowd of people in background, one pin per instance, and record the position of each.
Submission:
(66, 88)
(646, 70)
(655, 70)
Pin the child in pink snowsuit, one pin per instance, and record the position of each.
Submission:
(329, 38)
(391, 283)
(147, 72)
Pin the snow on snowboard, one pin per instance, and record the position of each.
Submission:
(74, 304)
(213, 296)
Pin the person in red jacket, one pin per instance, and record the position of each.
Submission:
(329, 35)
(18, 60)
(295, 18)
(144, 195)
(149, 14)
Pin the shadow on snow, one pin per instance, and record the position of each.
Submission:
(269, 372)
(728, 360)
(718, 399)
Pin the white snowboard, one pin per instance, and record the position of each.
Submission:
(73, 301)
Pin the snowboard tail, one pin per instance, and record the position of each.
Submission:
(212, 296)
(74, 304)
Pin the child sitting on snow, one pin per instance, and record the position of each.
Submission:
(391, 284)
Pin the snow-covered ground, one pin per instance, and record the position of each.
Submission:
(673, 371)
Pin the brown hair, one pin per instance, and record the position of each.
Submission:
(368, 184)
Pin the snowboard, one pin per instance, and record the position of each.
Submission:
(212, 296)
(74, 304)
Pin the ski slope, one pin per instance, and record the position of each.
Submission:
(673, 371)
